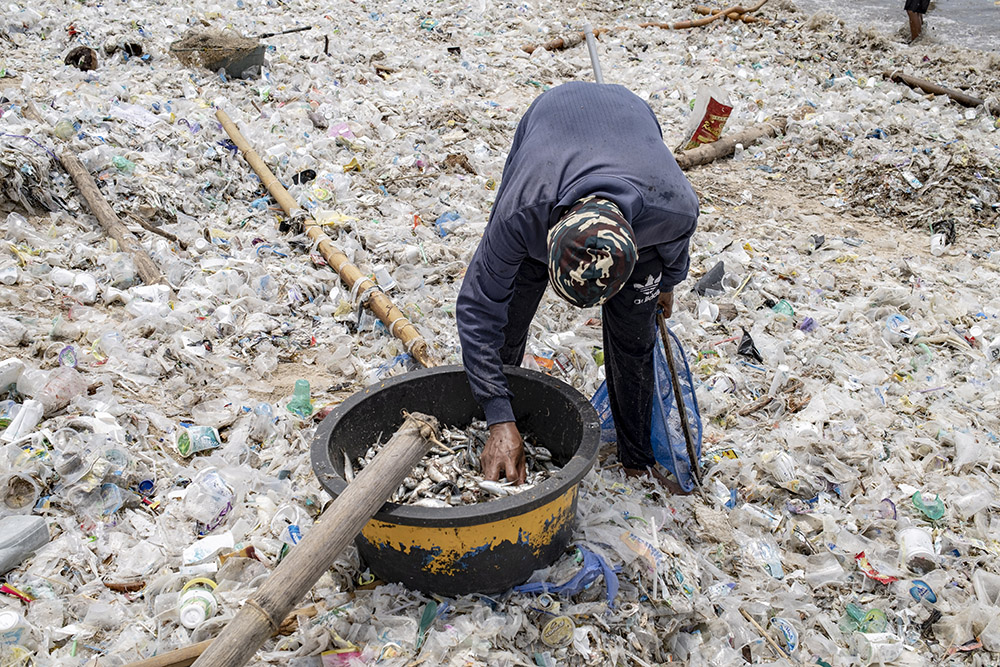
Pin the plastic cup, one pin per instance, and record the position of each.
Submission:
(916, 550)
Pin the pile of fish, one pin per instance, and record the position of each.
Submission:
(450, 474)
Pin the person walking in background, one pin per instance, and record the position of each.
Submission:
(915, 10)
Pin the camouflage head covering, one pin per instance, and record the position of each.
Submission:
(591, 252)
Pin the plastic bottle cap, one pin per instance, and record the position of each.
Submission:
(558, 632)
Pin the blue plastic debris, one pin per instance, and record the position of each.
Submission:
(593, 567)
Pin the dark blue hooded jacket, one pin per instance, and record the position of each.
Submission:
(575, 140)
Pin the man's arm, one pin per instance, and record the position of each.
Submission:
(676, 261)
(481, 314)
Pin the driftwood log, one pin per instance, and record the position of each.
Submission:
(708, 152)
(929, 87)
(697, 23)
(106, 216)
(732, 16)
(575, 38)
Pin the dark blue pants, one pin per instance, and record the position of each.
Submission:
(629, 320)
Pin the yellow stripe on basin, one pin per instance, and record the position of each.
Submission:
(444, 548)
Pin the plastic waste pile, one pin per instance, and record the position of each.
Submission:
(154, 445)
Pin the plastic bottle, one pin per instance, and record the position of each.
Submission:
(20, 536)
(197, 603)
(301, 403)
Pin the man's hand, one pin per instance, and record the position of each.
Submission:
(504, 454)
(666, 302)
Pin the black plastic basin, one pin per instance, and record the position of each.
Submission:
(483, 548)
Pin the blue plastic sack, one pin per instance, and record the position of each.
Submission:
(669, 447)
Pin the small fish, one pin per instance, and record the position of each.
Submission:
(452, 474)
(430, 502)
(494, 488)
(348, 469)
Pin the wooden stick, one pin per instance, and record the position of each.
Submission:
(376, 300)
(113, 226)
(661, 324)
(763, 633)
(156, 230)
(182, 657)
(708, 152)
(928, 87)
(307, 561)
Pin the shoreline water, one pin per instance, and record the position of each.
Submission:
(971, 24)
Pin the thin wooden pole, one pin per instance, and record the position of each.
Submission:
(708, 152)
(661, 324)
(376, 300)
(306, 562)
(113, 226)
(183, 657)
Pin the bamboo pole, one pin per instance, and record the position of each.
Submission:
(928, 87)
(357, 282)
(305, 564)
(183, 657)
(106, 216)
(708, 152)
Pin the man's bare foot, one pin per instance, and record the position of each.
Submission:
(669, 484)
